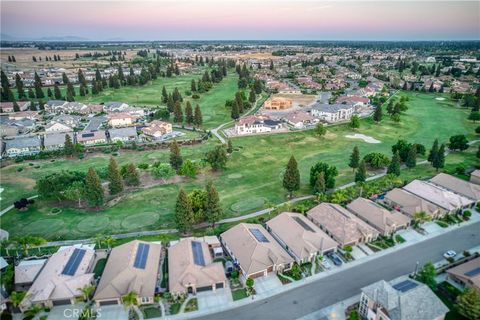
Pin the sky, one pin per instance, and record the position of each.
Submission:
(242, 20)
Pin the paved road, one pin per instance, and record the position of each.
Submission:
(326, 291)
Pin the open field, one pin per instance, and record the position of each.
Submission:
(252, 178)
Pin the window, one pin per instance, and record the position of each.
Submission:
(145, 299)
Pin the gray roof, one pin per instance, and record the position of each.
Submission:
(330, 107)
(416, 303)
(56, 139)
(113, 104)
(123, 132)
(22, 142)
(55, 103)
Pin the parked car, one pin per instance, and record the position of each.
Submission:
(336, 260)
(326, 264)
(449, 254)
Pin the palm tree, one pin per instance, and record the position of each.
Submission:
(421, 217)
(108, 241)
(27, 242)
(99, 239)
(87, 292)
(130, 300)
(16, 297)
(5, 243)
(34, 310)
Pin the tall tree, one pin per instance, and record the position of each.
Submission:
(176, 159)
(354, 158)
(439, 160)
(378, 114)
(235, 114)
(19, 86)
(70, 92)
(229, 146)
(361, 174)
(427, 275)
(183, 212)
(217, 158)
(177, 113)
(213, 210)
(38, 87)
(411, 160)
(164, 95)
(291, 178)
(131, 176)
(433, 152)
(197, 117)
(320, 183)
(68, 146)
(93, 188)
(320, 130)
(114, 177)
(7, 94)
(189, 114)
(468, 304)
(355, 122)
(394, 166)
(57, 93)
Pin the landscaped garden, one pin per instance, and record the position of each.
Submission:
(239, 294)
(251, 181)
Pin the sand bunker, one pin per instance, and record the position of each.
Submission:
(440, 98)
(363, 137)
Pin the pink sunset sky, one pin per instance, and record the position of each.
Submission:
(238, 20)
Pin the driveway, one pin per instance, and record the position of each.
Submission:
(66, 312)
(357, 253)
(410, 235)
(432, 227)
(268, 284)
(112, 313)
(213, 299)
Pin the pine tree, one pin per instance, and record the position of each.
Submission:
(170, 103)
(239, 100)
(361, 174)
(177, 97)
(164, 95)
(291, 179)
(193, 86)
(114, 177)
(57, 93)
(19, 86)
(377, 115)
(468, 303)
(49, 93)
(70, 92)
(189, 113)
(252, 97)
(319, 186)
(16, 107)
(176, 160)
(68, 146)
(81, 77)
(439, 160)
(394, 166)
(197, 117)
(213, 210)
(93, 188)
(433, 154)
(229, 146)
(411, 160)
(132, 177)
(354, 158)
(31, 94)
(183, 212)
(235, 113)
(177, 113)
(6, 90)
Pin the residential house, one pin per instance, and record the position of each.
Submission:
(59, 282)
(91, 137)
(300, 119)
(459, 186)
(120, 119)
(254, 250)
(467, 274)
(332, 112)
(157, 129)
(278, 103)
(446, 199)
(124, 135)
(255, 124)
(56, 141)
(475, 177)
(13, 128)
(69, 120)
(58, 127)
(131, 267)
(385, 221)
(22, 146)
(55, 105)
(191, 268)
(339, 223)
(300, 237)
(400, 299)
(26, 272)
(355, 100)
(30, 115)
(409, 204)
(115, 106)
(7, 107)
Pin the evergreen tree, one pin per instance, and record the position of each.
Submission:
(65, 78)
(354, 158)
(439, 160)
(394, 166)
(177, 113)
(6, 90)
(252, 97)
(468, 304)
(213, 210)
(38, 87)
(291, 178)
(217, 158)
(377, 115)
(433, 154)
(239, 100)
(176, 95)
(427, 275)
(175, 156)
(31, 94)
(57, 93)
(164, 95)
(49, 93)
(93, 188)
(16, 107)
(183, 212)
(320, 130)
(131, 176)
(189, 113)
(193, 86)
(70, 92)
(229, 146)
(81, 90)
(170, 103)
(361, 174)
(114, 177)
(81, 77)
(411, 160)
(19, 86)
(235, 113)
(319, 186)
(68, 146)
(355, 122)
(197, 117)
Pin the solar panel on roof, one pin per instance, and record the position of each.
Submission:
(141, 256)
(87, 135)
(197, 251)
(73, 262)
(303, 224)
(404, 286)
(473, 272)
(258, 235)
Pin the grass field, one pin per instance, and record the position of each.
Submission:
(252, 178)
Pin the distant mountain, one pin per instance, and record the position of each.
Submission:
(62, 38)
(7, 37)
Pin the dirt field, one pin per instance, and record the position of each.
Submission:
(301, 100)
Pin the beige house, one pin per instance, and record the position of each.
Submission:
(120, 119)
(157, 128)
(255, 250)
(131, 267)
(278, 103)
(462, 187)
(385, 221)
(191, 268)
(26, 272)
(339, 223)
(300, 237)
(59, 282)
(448, 200)
(475, 177)
(410, 204)
(90, 138)
(467, 274)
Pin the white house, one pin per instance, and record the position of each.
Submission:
(255, 124)
(58, 127)
(332, 112)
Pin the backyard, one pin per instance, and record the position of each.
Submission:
(252, 178)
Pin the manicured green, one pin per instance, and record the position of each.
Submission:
(99, 267)
(239, 294)
(151, 312)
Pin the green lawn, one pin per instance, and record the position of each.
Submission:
(251, 180)
(99, 267)
(151, 312)
(239, 294)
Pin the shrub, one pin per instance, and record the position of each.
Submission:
(376, 160)
(143, 166)
(466, 253)
(163, 170)
(19, 169)
(195, 96)
(460, 169)
(467, 213)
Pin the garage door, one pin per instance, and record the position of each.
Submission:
(61, 302)
(108, 302)
(201, 289)
(219, 285)
(257, 275)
